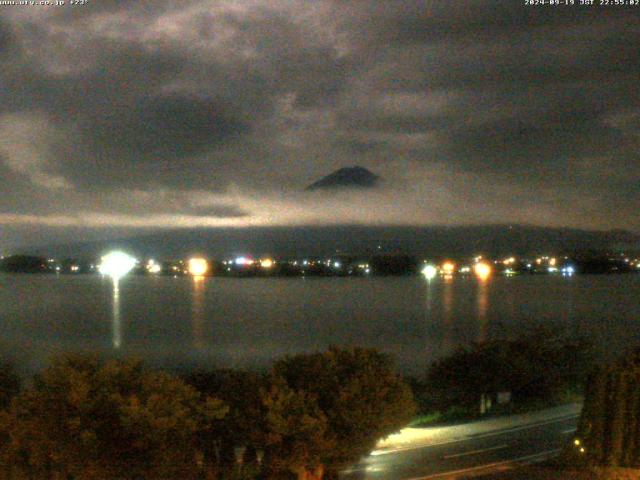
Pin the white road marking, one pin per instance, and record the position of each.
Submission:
(525, 459)
(473, 452)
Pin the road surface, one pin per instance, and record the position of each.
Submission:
(509, 445)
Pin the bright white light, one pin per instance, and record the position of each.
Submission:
(243, 261)
(116, 264)
(429, 271)
(336, 264)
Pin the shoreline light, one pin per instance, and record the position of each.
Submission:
(116, 264)
(243, 261)
(198, 266)
(448, 268)
(429, 272)
(153, 267)
(266, 263)
(482, 270)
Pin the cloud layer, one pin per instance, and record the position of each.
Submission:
(128, 115)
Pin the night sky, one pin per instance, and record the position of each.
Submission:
(118, 117)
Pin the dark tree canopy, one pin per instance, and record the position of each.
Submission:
(609, 428)
(92, 419)
(357, 392)
(9, 383)
(244, 424)
(88, 418)
(538, 365)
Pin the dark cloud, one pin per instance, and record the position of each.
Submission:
(105, 105)
(156, 139)
(6, 39)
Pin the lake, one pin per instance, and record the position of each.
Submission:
(190, 322)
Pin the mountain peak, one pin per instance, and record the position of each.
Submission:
(347, 177)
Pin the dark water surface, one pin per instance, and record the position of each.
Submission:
(226, 322)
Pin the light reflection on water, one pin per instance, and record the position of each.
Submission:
(116, 320)
(482, 303)
(191, 321)
(197, 312)
(447, 318)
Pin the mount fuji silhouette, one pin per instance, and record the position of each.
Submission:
(347, 177)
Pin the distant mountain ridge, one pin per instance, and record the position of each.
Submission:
(430, 242)
(347, 177)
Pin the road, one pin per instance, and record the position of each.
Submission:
(508, 446)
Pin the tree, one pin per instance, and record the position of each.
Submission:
(541, 365)
(297, 431)
(24, 264)
(609, 427)
(353, 391)
(244, 424)
(92, 419)
(9, 383)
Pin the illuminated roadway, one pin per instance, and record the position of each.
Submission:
(473, 454)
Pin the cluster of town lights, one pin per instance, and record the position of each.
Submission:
(481, 269)
(117, 264)
(153, 267)
(266, 263)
